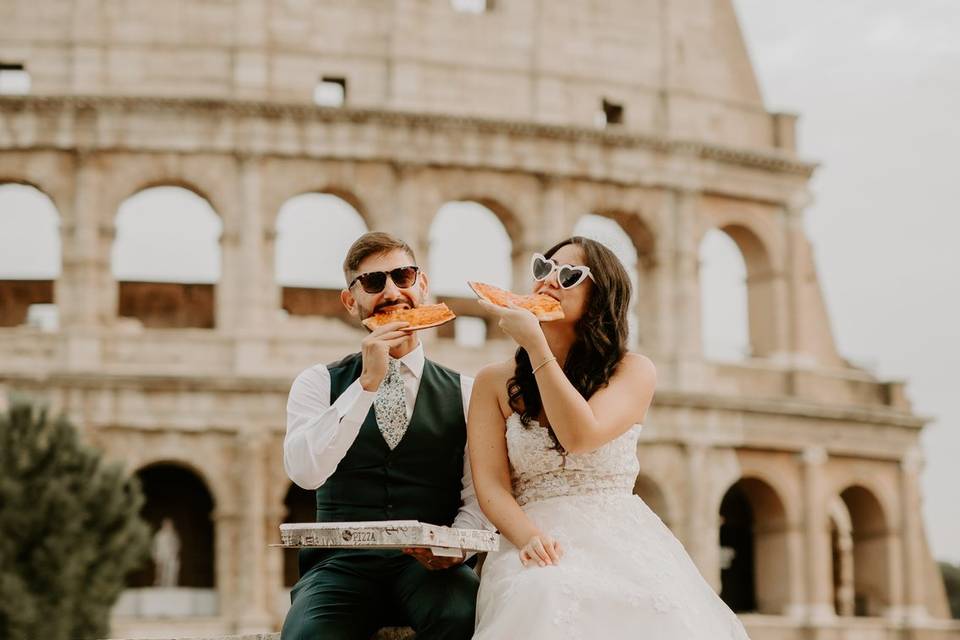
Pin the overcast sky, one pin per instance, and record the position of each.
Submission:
(877, 85)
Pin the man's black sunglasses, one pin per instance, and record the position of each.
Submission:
(375, 281)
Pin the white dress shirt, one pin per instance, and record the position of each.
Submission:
(319, 434)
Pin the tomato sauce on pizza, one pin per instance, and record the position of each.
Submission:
(544, 307)
(423, 317)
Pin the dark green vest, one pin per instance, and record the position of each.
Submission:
(418, 480)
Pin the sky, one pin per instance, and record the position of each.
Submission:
(877, 87)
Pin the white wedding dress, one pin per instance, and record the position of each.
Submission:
(623, 573)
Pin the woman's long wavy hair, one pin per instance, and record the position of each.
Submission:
(601, 335)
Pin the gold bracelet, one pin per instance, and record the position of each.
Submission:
(544, 363)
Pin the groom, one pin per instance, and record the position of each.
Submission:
(381, 435)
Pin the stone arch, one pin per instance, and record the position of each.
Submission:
(653, 495)
(464, 216)
(755, 251)
(54, 197)
(487, 256)
(755, 226)
(29, 235)
(174, 182)
(639, 229)
(514, 199)
(873, 550)
(51, 173)
(754, 530)
(511, 222)
(164, 291)
(209, 178)
(175, 491)
(334, 189)
(632, 240)
(361, 185)
(140, 450)
(762, 311)
(309, 225)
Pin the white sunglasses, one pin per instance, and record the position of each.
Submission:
(568, 275)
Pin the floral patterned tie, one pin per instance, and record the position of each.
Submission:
(390, 405)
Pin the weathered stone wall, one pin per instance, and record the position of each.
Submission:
(678, 68)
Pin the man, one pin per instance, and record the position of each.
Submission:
(381, 435)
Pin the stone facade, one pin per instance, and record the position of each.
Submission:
(813, 463)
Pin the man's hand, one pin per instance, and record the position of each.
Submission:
(432, 562)
(375, 349)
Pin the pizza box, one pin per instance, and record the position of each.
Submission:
(387, 534)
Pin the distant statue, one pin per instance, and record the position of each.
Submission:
(166, 555)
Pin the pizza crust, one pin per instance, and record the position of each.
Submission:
(423, 317)
(544, 307)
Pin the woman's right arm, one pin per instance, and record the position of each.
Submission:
(487, 442)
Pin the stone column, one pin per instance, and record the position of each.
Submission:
(274, 514)
(819, 574)
(252, 545)
(228, 298)
(86, 292)
(807, 326)
(677, 342)
(795, 542)
(227, 534)
(768, 302)
(541, 230)
(251, 295)
(914, 556)
(700, 532)
(845, 589)
(409, 212)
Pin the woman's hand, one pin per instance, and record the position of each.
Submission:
(541, 549)
(518, 323)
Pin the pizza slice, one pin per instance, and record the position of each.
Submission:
(544, 307)
(423, 317)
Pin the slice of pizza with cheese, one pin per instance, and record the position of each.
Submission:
(423, 317)
(544, 307)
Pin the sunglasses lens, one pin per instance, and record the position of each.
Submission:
(541, 268)
(373, 282)
(404, 277)
(569, 276)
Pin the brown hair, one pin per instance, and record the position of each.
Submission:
(371, 244)
(601, 340)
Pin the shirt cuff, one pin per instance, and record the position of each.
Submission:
(354, 403)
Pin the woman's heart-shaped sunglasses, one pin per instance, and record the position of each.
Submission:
(568, 275)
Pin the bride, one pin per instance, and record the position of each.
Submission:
(552, 439)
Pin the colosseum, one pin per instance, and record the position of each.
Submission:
(790, 475)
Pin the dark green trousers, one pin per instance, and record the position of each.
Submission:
(348, 595)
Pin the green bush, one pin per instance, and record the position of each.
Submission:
(70, 529)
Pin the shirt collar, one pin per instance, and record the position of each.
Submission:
(414, 361)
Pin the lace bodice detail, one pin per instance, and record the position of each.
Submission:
(538, 471)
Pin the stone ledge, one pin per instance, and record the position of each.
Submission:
(770, 159)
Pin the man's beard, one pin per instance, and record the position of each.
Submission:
(366, 312)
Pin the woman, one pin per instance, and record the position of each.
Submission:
(552, 438)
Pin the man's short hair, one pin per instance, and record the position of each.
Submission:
(371, 244)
